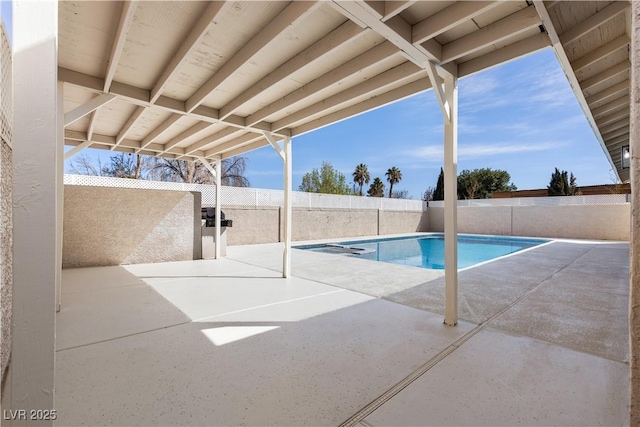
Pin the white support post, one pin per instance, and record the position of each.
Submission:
(286, 262)
(218, 174)
(451, 201)
(36, 158)
(60, 158)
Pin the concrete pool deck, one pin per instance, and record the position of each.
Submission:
(543, 340)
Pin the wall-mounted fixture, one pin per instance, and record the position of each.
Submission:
(626, 157)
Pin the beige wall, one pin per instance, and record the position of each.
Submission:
(112, 226)
(6, 255)
(265, 225)
(605, 222)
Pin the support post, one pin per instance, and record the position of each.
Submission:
(286, 262)
(451, 201)
(36, 157)
(60, 158)
(634, 178)
(218, 175)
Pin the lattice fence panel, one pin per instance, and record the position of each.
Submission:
(600, 199)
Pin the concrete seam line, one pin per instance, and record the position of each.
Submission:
(404, 383)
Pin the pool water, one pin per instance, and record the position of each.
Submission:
(428, 251)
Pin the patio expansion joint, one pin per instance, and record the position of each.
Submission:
(124, 336)
(358, 418)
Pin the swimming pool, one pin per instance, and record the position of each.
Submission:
(427, 251)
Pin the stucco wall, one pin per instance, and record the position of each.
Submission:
(605, 222)
(265, 225)
(112, 226)
(6, 254)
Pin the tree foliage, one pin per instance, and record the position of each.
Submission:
(427, 196)
(123, 165)
(400, 194)
(361, 176)
(325, 180)
(482, 183)
(438, 193)
(376, 189)
(394, 176)
(562, 184)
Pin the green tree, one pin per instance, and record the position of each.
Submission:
(438, 193)
(562, 184)
(325, 180)
(377, 188)
(361, 175)
(394, 176)
(482, 183)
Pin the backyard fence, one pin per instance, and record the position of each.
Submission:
(243, 197)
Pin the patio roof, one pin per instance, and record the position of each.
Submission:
(198, 80)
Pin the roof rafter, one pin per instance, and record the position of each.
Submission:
(128, 125)
(610, 92)
(343, 34)
(87, 108)
(606, 14)
(396, 30)
(234, 144)
(128, 10)
(393, 8)
(613, 117)
(506, 28)
(367, 59)
(186, 47)
(293, 12)
(198, 127)
(599, 53)
(211, 139)
(448, 18)
(611, 106)
(157, 132)
(609, 73)
(140, 97)
(505, 54)
(389, 77)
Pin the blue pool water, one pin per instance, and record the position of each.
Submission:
(428, 251)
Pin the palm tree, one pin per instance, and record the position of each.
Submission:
(393, 176)
(377, 188)
(361, 176)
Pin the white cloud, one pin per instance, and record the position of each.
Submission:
(436, 153)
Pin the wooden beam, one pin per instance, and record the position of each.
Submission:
(367, 59)
(625, 122)
(160, 130)
(448, 18)
(187, 46)
(198, 127)
(211, 139)
(609, 73)
(439, 91)
(245, 148)
(75, 150)
(613, 117)
(274, 144)
(508, 27)
(611, 106)
(207, 165)
(599, 53)
(293, 12)
(128, 125)
(393, 8)
(233, 144)
(618, 141)
(140, 97)
(396, 30)
(505, 54)
(92, 123)
(87, 108)
(389, 77)
(126, 17)
(372, 103)
(347, 32)
(594, 21)
(610, 92)
(615, 133)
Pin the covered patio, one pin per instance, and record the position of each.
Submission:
(204, 81)
(228, 342)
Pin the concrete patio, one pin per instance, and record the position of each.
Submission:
(544, 340)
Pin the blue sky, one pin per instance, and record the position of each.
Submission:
(521, 117)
